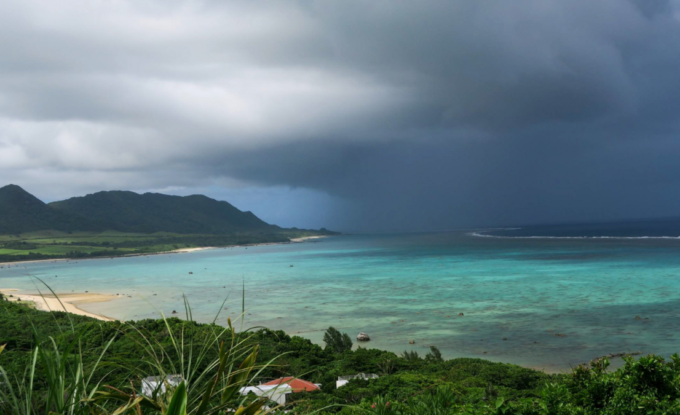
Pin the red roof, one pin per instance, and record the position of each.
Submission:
(298, 385)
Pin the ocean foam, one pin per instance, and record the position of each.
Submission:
(484, 234)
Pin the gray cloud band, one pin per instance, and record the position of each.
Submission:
(425, 114)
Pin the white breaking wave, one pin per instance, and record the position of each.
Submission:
(483, 234)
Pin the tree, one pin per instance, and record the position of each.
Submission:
(336, 341)
(435, 355)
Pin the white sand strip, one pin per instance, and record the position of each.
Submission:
(69, 302)
(306, 238)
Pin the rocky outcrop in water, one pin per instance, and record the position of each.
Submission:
(363, 337)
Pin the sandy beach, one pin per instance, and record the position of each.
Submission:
(65, 302)
(185, 250)
(307, 238)
(189, 250)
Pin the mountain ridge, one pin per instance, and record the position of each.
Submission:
(21, 212)
(125, 211)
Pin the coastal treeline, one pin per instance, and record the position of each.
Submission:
(67, 364)
(41, 246)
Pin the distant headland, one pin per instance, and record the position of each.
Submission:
(116, 223)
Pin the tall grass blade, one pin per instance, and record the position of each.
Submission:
(240, 376)
(178, 404)
(211, 385)
(68, 315)
(220, 310)
(187, 308)
(251, 409)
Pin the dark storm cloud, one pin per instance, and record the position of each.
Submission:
(420, 115)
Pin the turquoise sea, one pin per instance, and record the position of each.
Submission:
(542, 302)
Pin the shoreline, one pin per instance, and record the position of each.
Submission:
(69, 302)
(175, 251)
(203, 248)
(65, 302)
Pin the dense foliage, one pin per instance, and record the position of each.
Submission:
(22, 212)
(336, 341)
(153, 212)
(414, 385)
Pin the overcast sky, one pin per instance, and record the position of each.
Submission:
(355, 115)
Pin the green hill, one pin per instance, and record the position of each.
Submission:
(21, 212)
(153, 212)
(117, 223)
(122, 211)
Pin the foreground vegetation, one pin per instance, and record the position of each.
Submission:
(66, 364)
(56, 244)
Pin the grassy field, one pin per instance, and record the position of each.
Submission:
(54, 237)
(54, 244)
(49, 249)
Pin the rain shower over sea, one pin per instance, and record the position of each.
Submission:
(542, 297)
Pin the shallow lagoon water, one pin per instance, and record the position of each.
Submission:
(543, 303)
